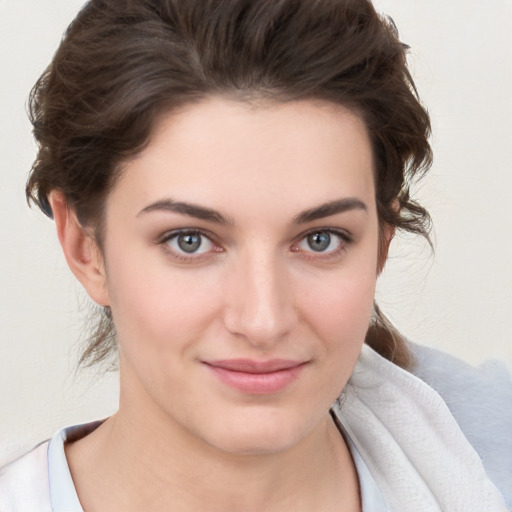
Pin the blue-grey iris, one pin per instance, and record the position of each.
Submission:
(189, 242)
(319, 241)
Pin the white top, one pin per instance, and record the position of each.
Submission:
(63, 494)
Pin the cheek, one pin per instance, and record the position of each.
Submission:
(349, 305)
(155, 307)
(340, 303)
(338, 310)
(341, 318)
(337, 316)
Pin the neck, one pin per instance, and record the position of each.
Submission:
(140, 462)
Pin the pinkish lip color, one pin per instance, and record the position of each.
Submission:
(256, 377)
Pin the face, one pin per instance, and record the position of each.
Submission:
(241, 258)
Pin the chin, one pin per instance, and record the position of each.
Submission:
(260, 435)
(254, 445)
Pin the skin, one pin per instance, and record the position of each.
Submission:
(259, 176)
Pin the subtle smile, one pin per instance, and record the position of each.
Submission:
(256, 377)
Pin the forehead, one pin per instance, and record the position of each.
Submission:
(217, 150)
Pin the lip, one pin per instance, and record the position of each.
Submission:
(256, 377)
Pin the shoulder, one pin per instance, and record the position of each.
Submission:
(24, 485)
(480, 400)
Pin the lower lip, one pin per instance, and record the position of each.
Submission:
(257, 383)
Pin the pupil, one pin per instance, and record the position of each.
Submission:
(189, 243)
(319, 241)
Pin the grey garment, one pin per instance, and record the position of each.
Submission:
(480, 399)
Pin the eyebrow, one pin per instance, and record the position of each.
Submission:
(330, 208)
(210, 215)
(191, 210)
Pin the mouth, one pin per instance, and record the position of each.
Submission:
(256, 377)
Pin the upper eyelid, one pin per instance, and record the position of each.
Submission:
(172, 233)
(343, 233)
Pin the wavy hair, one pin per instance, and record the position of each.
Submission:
(122, 63)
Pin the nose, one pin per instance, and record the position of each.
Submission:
(259, 303)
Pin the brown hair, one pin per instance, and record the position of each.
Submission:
(124, 62)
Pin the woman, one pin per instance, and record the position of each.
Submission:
(225, 178)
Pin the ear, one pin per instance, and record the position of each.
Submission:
(80, 249)
(386, 234)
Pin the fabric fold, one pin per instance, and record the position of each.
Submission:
(411, 443)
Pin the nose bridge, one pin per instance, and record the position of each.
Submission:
(259, 299)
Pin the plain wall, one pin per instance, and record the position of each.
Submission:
(458, 300)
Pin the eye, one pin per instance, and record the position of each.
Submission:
(323, 241)
(189, 243)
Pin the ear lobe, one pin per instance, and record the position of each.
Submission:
(80, 249)
(387, 232)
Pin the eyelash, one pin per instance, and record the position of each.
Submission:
(345, 240)
(183, 256)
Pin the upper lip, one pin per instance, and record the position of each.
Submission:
(251, 366)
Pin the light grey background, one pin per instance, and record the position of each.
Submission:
(460, 300)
